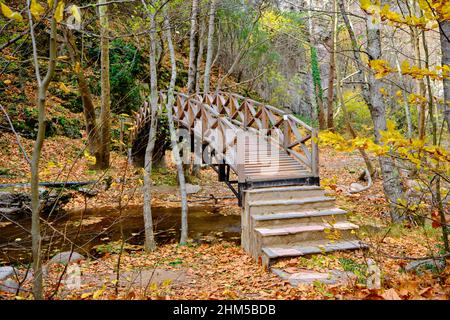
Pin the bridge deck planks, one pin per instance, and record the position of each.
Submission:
(265, 161)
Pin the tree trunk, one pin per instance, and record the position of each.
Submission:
(173, 137)
(405, 100)
(421, 85)
(433, 116)
(86, 96)
(209, 48)
(444, 27)
(195, 166)
(192, 48)
(199, 57)
(43, 84)
(391, 178)
(105, 114)
(348, 122)
(150, 244)
(374, 100)
(316, 95)
(331, 73)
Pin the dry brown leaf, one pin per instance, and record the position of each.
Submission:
(391, 294)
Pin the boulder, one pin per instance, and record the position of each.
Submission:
(6, 272)
(9, 285)
(192, 188)
(63, 258)
(421, 265)
(356, 187)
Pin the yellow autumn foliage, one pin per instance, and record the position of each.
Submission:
(13, 15)
(426, 157)
(36, 9)
(381, 68)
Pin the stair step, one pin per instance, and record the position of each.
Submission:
(299, 228)
(316, 247)
(259, 203)
(301, 214)
(282, 189)
(284, 193)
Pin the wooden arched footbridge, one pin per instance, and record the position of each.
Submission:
(269, 159)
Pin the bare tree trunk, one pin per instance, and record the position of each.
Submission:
(86, 96)
(150, 244)
(405, 100)
(444, 27)
(316, 94)
(391, 178)
(418, 61)
(209, 47)
(433, 116)
(105, 114)
(348, 122)
(415, 42)
(43, 84)
(331, 73)
(199, 57)
(196, 167)
(173, 136)
(374, 100)
(192, 47)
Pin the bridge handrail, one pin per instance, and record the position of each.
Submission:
(290, 125)
(275, 109)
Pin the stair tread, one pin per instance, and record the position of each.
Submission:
(291, 201)
(312, 248)
(301, 227)
(281, 189)
(298, 214)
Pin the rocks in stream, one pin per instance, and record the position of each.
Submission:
(13, 204)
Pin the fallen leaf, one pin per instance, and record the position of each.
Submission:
(391, 294)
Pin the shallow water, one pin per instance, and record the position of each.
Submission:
(104, 225)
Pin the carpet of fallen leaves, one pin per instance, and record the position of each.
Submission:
(222, 270)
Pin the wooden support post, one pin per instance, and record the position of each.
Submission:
(222, 173)
(205, 161)
(192, 137)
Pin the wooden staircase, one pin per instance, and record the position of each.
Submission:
(294, 221)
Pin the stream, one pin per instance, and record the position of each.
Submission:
(101, 226)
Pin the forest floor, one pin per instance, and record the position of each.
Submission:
(221, 269)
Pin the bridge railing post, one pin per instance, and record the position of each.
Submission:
(314, 153)
(240, 155)
(286, 132)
